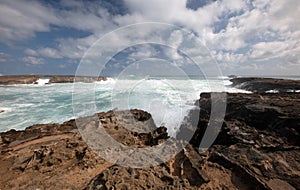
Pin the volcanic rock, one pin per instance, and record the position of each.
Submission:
(258, 141)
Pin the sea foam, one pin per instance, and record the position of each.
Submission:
(42, 81)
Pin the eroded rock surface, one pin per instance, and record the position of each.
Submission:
(259, 140)
(54, 156)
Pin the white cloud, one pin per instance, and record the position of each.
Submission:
(49, 52)
(236, 31)
(229, 57)
(267, 33)
(143, 52)
(33, 60)
(31, 52)
(44, 52)
(21, 19)
(75, 48)
(175, 40)
(164, 11)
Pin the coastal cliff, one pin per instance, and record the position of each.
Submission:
(257, 148)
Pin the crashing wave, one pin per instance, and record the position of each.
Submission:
(42, 81)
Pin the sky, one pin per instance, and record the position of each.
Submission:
(241, 37)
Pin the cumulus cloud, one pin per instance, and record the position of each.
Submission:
(31, 52)
(240, 34)
(21, 19)
(49, 52)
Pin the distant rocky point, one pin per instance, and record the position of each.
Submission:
(232, 76)
(266, 85)
(33, 79)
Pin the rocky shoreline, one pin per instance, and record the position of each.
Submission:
(265, 85)
(32, 79)
(258, 147)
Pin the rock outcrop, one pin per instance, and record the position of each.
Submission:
(71, 79)
(259, 139)
(262, 85)
(54, 156)
(20, 79)
(32, 79)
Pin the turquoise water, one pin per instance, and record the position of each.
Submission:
(168, 100)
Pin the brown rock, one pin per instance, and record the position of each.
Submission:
(18, 79)
(54, 156)
(31, 79)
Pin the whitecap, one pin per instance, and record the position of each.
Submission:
(42, 81)
(272, 91)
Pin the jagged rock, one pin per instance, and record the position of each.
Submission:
(259, 139)
(54, 156)
(187, 170)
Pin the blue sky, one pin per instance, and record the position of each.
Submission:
(245, 37)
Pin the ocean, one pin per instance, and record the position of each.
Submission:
(167, 99)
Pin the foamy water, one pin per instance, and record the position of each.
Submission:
(167, 100)
(42, 81)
